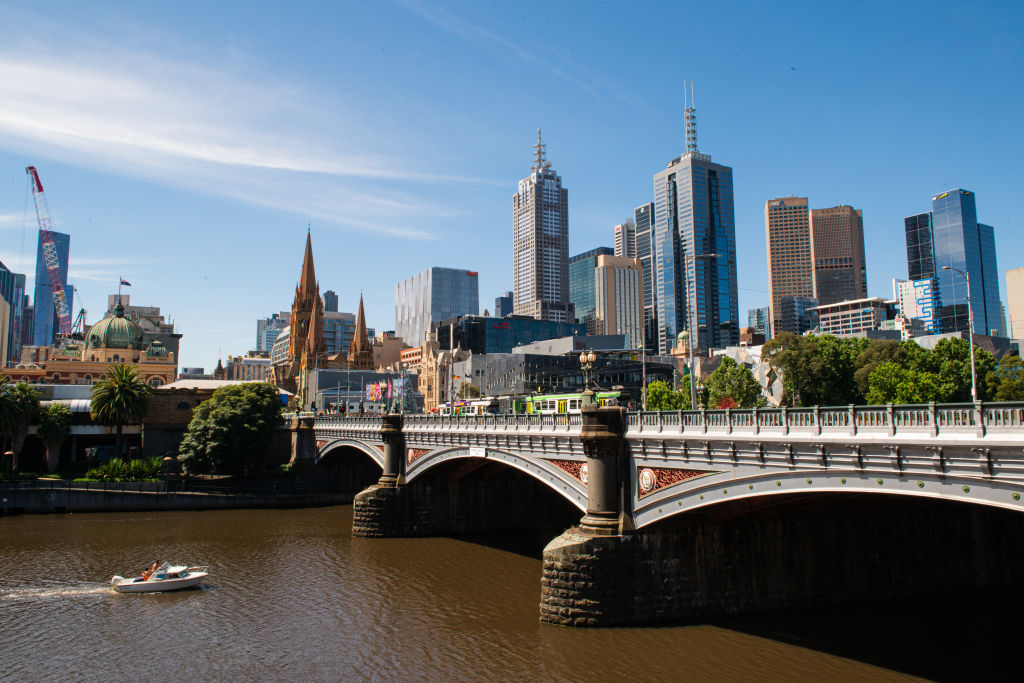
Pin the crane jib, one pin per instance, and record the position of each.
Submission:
(49, 248)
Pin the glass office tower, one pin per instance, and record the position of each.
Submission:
(643, 218)
(581, 285)
(693, 216)
(12, 289)
(431, 296)
(951, 236)
(45, 317)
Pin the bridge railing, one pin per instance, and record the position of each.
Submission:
(526, 423)
(978, 418)
(336, 420)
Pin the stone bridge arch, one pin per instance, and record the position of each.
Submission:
(327, 447)
(539, 469)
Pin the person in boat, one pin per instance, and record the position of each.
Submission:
(148, 573)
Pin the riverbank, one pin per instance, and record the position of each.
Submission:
(43, 497)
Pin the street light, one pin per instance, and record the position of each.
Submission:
(586, 364)
(694, 333)
(970, 327)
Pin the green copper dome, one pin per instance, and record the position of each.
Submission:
(116, 332)
(157, 350)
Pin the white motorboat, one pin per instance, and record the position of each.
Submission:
(167, 577)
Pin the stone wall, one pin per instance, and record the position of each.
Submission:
(794, 553)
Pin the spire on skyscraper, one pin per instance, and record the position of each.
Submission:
(540, 150)
(690, 116)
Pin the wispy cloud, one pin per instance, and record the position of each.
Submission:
(221, 131)
(11, 220)
(521, 50)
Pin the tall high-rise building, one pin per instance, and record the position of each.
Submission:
(12, 289)
(503, 305)
(1015, 302)
(330, 301)
(581, 285)
(693, 217)
(951, 236)
(643, 219)
(618, 285)
(787, 225)
(433, 295)
(837, 246)
(625, 239)
(540, 243)
(45, 316)
(268, 329)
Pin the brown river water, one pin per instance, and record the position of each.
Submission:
(292, 596)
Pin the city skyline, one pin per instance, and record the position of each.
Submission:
(160, 179)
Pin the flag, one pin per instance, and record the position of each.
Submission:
(125, 283)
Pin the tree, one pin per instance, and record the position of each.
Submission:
(816, 370)
(1006, 380)
(120, 397)
(19, 405)
(54, 428)
(953, 360)
(468, 390)
(229, 432)
(660, 396)
(891, 382)
(732, 385)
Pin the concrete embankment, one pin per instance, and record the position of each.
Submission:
(114, 498)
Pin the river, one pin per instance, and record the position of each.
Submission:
(292, 596)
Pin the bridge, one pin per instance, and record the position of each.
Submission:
(658, 489)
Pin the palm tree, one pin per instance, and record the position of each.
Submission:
(120, 397)
(19, 405)
(54, 427)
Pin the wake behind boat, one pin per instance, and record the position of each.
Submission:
(166, 577)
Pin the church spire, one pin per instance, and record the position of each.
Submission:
(307, 280)
(360, 342)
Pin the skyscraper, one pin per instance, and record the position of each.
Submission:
(625, 239)
(643, 219)
(540, 243)
(951, 236)
(619, 309)
(431, 296)
(45, 317)
(837, 245)
(330, 301)
(12, 289)
(581, 285)
(503, 305)
(1015, 302)
(693, 217)
(760, 319)
(787, 226)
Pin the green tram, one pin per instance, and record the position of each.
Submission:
(538, 404)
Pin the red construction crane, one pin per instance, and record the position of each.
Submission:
(60, 302)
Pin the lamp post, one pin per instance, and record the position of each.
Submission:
(587, 359)
(694, 334)
(970, 327)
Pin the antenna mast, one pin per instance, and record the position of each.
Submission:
(539, 155)
(690, 116)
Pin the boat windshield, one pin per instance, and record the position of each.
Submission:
(164, 567)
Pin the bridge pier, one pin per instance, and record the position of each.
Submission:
(303, 440)
(588, 570)
(385, 509)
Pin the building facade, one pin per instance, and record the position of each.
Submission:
(45, 314)
(855, 317)
(950, 236)
(796, 314)
(267, 329)
(581, 284)
(619, 309)
(431, 296)
(643, 219)
(760, 320)
(540, 244)
(837, 246)
(919, 300)
(477, 334)
(1015, 302)
(330, 301)
(12, 290)
(624, 236)
(787, 225)
(694, 218)
(247, 368)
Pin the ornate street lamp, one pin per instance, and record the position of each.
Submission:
(970, 327)
(587, 359)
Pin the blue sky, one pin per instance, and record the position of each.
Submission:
(185, 146)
